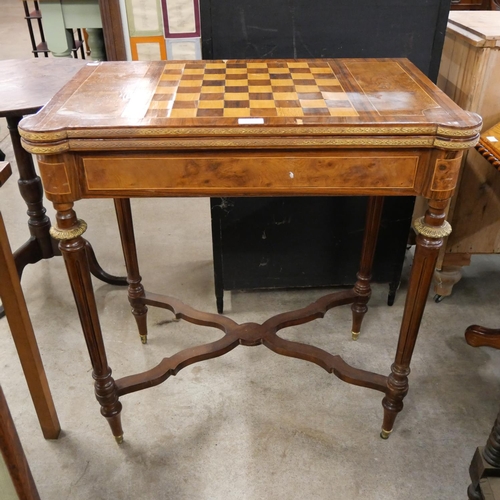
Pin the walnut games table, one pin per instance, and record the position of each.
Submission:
(372, 127)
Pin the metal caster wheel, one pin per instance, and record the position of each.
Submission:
(438, 298)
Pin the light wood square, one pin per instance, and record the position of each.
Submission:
(182, 113)
(343, 112)
(207, 104)
(258, 76)
(190, 83)
(236, 112)
(213, 65)
(187, 97)
(236, 83)
(313, 103)
(194, 71)
(260, 88)
(285, 96)
(298, 65)
(278, 70)
(327, 81)
(212, 89)
(236, 71)
(170, 77)
(262, 104)
(165, 90)
(256, 65)
(236, 96)
(306, 88)
(289, 112)
(335, 96)
(282, 83)
(160, 104)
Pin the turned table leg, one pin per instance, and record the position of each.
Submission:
(69, 232)
(362, 285)
(40, 245)
(135, 288)
(431, 230)
(486, 462)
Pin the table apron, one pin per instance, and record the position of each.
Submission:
(222, 174)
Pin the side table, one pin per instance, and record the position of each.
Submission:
(367, 127)
(25, 87)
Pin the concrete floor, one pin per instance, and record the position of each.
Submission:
(251, 424)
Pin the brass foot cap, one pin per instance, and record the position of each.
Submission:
(144, 339)
(119, 439)
(385, 434)
(355, 335)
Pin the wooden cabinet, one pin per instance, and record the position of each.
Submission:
(470, 75)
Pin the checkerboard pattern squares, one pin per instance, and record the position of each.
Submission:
(249, 89)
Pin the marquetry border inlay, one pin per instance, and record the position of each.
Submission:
(244, 131)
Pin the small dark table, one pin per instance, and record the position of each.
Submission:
(25, 87)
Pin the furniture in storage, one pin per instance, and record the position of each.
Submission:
(101, 19)
(372, 127)
(489, 147)
(20, 482)
(470, 75)
(27, 85)
(20, 325)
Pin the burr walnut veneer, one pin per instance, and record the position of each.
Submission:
(375, 127)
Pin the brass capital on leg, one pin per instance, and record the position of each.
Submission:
(68, 234)
(421, 227)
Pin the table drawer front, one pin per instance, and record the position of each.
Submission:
(307, 174)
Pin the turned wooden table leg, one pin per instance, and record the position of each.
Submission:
(135, 288)
(362, 285)
(431, 230)
(486, 462)
(40, 245)
(69, 232)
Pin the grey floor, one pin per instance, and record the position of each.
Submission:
(251, 424)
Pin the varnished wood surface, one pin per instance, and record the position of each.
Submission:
(14, 456)
(28, 84)
(112, 30)
(354, 127)
(12, 298)
(489, 145)
(195, 99)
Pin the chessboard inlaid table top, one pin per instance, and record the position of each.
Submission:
(319, 98)
(329, 127)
